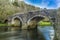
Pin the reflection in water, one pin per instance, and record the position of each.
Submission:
(21, 35)
(35, 35)
(31, 34)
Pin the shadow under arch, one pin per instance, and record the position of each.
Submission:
(36, 18)
(18, 21)
(6, 21)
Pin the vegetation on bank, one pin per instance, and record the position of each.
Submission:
(8, 8)
(44, 23)
(41, 23)
(3, 24)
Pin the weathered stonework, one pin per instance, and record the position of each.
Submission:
(26, 17)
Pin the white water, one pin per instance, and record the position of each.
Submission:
(47, 31)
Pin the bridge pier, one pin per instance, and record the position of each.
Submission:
(24, 26)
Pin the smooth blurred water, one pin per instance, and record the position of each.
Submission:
(21, 35)
(41, 33)
(47, 31)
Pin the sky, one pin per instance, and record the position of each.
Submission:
(49, 4)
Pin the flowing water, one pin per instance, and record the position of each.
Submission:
(33, 34)
(48, 32)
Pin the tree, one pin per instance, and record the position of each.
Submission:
(8, 8)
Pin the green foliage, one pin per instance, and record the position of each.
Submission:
(2, 25)
(15, 4)
(7, 8)
(42, 23)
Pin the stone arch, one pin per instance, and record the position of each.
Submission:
(37, 16)
(36, 19)
(18, 18)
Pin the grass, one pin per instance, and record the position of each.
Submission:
(43, 23)
(3, 24)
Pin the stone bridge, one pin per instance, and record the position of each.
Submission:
(25, 18)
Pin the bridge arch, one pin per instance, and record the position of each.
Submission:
(33, 22)
(18, 19)
(36, 17)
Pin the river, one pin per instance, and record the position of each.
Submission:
(34, 34)
(48, 32)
